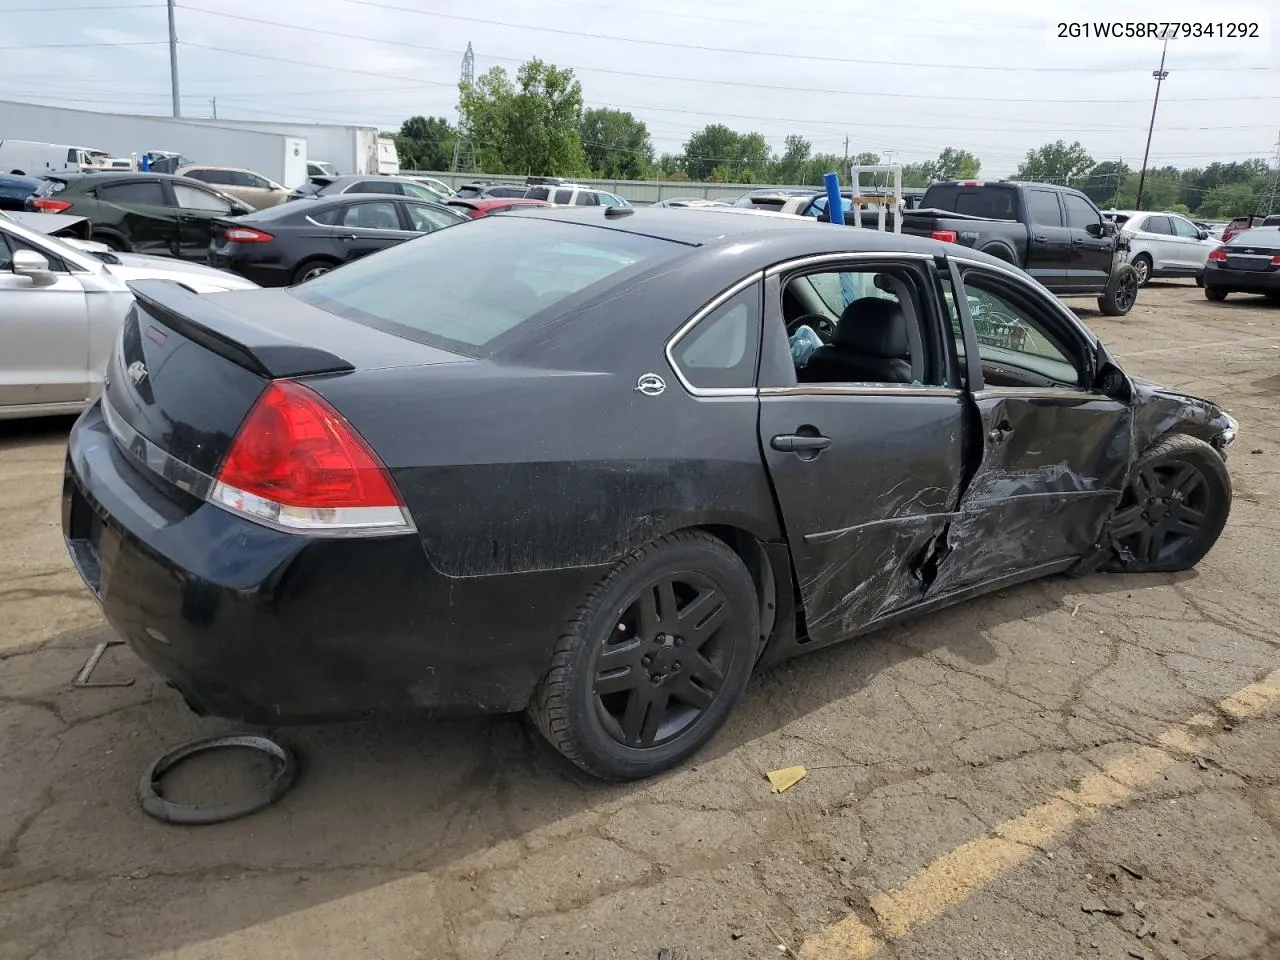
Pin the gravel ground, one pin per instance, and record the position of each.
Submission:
(1071, 768)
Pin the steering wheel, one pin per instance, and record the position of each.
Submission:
(822, 326)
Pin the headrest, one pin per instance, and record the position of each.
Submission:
(875, 327)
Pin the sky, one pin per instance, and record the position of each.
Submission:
(903, 80)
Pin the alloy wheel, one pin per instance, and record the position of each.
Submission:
(1167, 507)
(1127, 290)
(664, 663)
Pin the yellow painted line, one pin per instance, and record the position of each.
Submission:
(957, 875)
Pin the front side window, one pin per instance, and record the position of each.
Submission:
(1185, 228)
(192, 198)
(417, 190)
(426, 219)
(1079, 214)
(532, 268)
(1020, 344)
(720, 352)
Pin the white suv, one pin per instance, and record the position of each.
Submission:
(575, 195)
(1164, 244)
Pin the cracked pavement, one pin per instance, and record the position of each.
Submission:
(463, 840)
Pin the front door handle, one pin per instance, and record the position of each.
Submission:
(1040, 239)
(796, 443)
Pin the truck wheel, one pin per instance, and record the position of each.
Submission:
(653, 660)
(1121, 293)
(1142, 264)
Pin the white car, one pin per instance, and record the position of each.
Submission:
(1164, 244)
(435, 186)
(60, 308)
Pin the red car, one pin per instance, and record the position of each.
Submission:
(1248, 223)
(483, 206)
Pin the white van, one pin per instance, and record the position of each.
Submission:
(32, 159)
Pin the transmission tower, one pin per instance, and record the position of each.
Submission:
(1275, 185)
(464, 152)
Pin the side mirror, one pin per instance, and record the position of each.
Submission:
(28, 263)
(1202, 234)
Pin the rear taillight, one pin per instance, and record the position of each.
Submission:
(247, 235)
(45, 205)
(946, 236)
(1218, 254)
(298, 465)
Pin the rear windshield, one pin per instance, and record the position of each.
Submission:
(1257, 237)
(462, 289)
(995, 203)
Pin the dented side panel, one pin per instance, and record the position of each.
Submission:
(864, 516)
(1053, 468)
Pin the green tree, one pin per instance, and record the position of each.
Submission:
(953, 164)
(867, 159)
(917, 174)
(821, 164)
(670, 167)
(1160, 191)
(532, 126)
(790, 166)
(616, 144)
(1103, 182)
(1055, 162)
(1227, 201)
(729, 153)
(425, 143)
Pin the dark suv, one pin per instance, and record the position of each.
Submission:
(132, 212)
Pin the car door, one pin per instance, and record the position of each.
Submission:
(143, 212)
(425, 218)
(1091, 249)
(197, 211)
(1050, 255)
(866, 471)
(368, 226)
(1054, 452)
(44, 333)
(1164, 252)
(1190, 250)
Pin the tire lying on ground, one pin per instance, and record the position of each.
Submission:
(653, 660)
(1121, 292)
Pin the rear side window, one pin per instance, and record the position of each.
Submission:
(564, 196)
(997, 203)
(514, 192)
(375, 186)
(1042, 205)
(720, 351)
(532, 268)
(536, 193)
(1160, 225)
(143, 193)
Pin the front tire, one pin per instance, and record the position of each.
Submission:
(1214, 293)
(1142, 266)
(1176, 504)
(1121, 292)
(653, 659)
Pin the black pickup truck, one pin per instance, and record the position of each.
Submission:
(1054, 233)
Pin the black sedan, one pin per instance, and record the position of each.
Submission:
(1247, 263)
(15, 190)
(651, 451)
(292, 242)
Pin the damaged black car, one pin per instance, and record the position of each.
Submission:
(652, 451)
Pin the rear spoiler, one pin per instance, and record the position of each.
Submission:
(258, 349)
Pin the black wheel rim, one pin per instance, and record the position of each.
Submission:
(1126, 291)
(1165, 508)
(664, 662)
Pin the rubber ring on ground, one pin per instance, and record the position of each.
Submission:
(154, 804)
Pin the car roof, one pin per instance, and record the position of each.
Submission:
(704, 226)
(102, 176)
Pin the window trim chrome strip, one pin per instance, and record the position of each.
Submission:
(821, 259)
(1031, 393)
(811, 390)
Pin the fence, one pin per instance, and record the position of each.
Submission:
(636, 191)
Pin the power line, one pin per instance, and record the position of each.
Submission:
(111, 7)
(999, 68)
(318, 66)
(104, 43)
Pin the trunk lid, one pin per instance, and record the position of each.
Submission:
(187, 367)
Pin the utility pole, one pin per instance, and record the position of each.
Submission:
(173, 63)
(846, 150)
(1275, 184)
(1160, 76)
(214, 101)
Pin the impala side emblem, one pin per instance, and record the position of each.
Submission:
(650, 384)
(137, 372)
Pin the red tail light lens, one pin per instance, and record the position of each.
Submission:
(946, 236)
(298, 465)
(1218, 254)
(247, 235)
(45, 205)
(1275, 261)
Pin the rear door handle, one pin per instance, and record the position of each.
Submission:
(1040, 239)
(795, 443)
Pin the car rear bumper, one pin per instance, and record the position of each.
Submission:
(1243, 281)
(263, 274)
(270, 627)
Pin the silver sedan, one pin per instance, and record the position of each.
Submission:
(61, 303)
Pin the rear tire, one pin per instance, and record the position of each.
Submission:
(1214, 293)
(1200, 279)
(1273, 297)
(659, 651)
(113, 242)
(1173, 511)
(310, 269)
(1121, 292)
